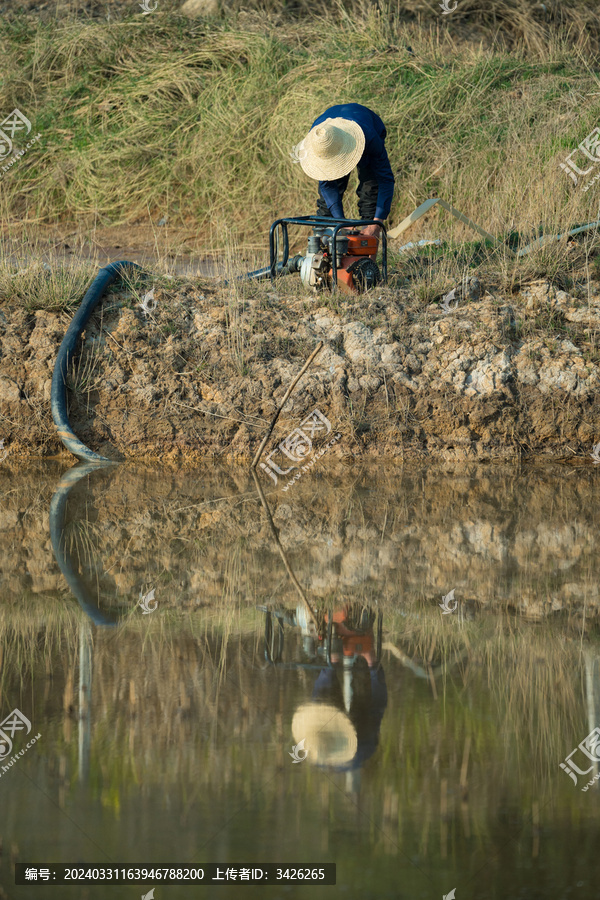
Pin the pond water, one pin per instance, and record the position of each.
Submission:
(172, 636)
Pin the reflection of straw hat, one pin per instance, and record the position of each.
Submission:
(332, 149)
(330, 735)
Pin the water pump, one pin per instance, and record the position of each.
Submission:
(339, 254)
(355, 269)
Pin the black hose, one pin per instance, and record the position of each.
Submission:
(58, 395)
(93, 295)
(257, 274)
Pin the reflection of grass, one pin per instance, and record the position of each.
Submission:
(188, 691)
(80, 544)
(529, 671)
(29, 634)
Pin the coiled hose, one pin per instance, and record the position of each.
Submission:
(58, 395)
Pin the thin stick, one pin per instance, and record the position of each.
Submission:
(289, 570)
(207, 412)
(283, 402)
(465, 764)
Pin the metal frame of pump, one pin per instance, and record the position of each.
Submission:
(275, 265)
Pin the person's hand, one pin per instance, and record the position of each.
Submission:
(372, 230)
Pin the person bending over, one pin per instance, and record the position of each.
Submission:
(341, 138)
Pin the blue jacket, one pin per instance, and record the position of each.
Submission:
(374, 158)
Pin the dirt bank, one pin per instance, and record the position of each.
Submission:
(201, 376)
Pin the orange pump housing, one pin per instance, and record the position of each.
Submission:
(359, 245)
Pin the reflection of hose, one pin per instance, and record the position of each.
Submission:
(58, 396)
(57, 524)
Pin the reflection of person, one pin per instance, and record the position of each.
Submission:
(343, 740)
(341, 138)
(341, 723)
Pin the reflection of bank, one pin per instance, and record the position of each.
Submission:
(95, 616)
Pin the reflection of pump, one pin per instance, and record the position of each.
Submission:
(347, 630)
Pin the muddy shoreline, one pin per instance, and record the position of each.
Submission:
(498, 378)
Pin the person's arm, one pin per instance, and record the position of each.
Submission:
(333, 199)
(379, 164)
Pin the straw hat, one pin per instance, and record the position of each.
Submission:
(332, 149)
(330, 735)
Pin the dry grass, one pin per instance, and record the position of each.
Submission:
(200, 128)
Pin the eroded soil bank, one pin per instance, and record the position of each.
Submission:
(201, 376)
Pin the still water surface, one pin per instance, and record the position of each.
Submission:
(432, 742)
